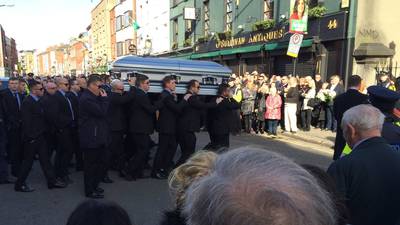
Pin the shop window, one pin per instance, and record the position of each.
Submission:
(229, 15)
(268, 9)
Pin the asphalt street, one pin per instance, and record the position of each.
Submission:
(145, 200)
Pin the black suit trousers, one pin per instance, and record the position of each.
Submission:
(221, 140)
(15, 150)
(95, 161)
(31, 148)
(340, 143)
(3, 161)
(166, 151)
(138, 161)
(77, 149)
(117, 150)
(187, 142)
(65, 150)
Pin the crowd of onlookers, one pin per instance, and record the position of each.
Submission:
(292, 102)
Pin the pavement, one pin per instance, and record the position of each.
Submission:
(146, 199)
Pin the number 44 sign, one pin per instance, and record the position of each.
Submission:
(294, 45)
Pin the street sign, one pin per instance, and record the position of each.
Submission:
(294, 45)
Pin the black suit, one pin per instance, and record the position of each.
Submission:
(117, 121)
(63, 118)
(33, 137)
(93, 138)
(3, 160)
(341, 104)
(167, 128)
(219, 120)
(50, 134)
(189, 122)
(368, 179)
(12, 122)
(74, 99)
(141, 125)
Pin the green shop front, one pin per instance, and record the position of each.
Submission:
(323, 49)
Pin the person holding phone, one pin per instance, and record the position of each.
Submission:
(94, 135)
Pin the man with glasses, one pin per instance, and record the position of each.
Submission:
(117, 121)
(12, 101)
(62, 117)
(94, 135)
(33, 130)
(51, 138)
(189, 121)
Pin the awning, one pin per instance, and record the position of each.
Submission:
(205, 55)
(253, 48)
(282, 45)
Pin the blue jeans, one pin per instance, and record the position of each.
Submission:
(272, 126)
(330, 119)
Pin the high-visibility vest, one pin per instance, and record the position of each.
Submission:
(347, 150)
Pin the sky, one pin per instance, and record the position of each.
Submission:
(38, 24)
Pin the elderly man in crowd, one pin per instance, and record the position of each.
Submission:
(368, 176)
(258, 187)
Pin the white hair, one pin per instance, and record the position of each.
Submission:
(258, 187)
(115, 82)
(363, 117)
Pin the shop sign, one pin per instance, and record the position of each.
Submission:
(295, 45)
(251, 39)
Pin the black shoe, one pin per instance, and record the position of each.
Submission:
(129, 177)
(9, 180)
(67, 180)
(23, 188)
(160, 174)
(57, 184)
(95, 195)
(107, 180)
(99, 190)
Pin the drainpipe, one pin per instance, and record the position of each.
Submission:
(351, 33)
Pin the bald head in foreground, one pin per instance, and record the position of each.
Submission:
(257, 187)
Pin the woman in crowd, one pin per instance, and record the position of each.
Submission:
(260, 108)
(321, 107)
(249, 95)
(291, 102)
(180, 180)
(99, 213)
(306, 109)
(273, 111)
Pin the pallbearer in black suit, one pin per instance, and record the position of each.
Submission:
(342, 103)
(221, 118)
(51, 139)
(141, 125)
(118, 122)
(63, 118)
(33, 130)
(167, 121)
(189, 121)
(12, 101)
(93, 135)
(73, 96)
